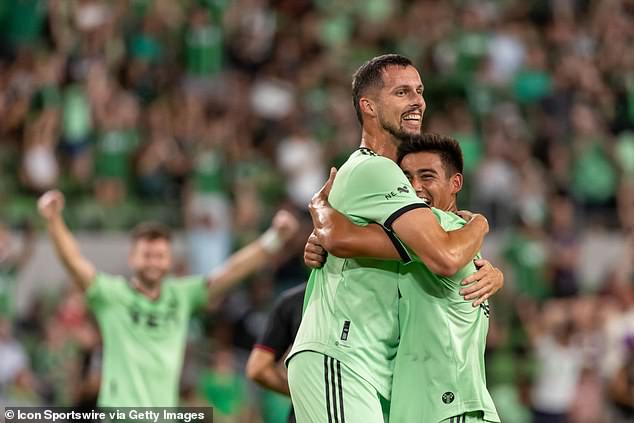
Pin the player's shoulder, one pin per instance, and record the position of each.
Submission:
(365, 163)
(183, 282)
(448, 219)
(365, 157)
(107, 286)
(107, 278)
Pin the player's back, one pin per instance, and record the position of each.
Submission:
(351, 306)
(442, 345)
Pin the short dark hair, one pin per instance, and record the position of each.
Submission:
(446, 147)
(151, 231)
(369, 75)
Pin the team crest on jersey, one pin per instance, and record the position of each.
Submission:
(448, 397)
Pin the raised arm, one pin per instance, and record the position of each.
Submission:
(254, 256)
(50, 206)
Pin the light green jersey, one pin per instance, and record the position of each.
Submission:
(439, 369)
(143, 340)
(351, 305)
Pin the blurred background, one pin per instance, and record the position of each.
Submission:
(209, 115)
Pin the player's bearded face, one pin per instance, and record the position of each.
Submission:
(401, 105)
(151, 260)
(397, 131)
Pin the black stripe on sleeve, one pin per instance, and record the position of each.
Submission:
(398, 213)
(397, 244)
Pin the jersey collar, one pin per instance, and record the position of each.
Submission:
(366, 151)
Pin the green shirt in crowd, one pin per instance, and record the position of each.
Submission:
(113, 153)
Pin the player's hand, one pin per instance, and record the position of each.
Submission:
(314, 253)
(286, 224)
(51, 204)
(469, 216)
(320, 199)
(482, 284)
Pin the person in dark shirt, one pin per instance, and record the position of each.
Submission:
(265, 362)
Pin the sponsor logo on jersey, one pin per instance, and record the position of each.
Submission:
(402, 189)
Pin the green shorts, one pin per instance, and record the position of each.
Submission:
(324, 390)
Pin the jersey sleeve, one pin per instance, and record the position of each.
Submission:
(103, 290)
(379, 191)
(278, 336)
(194, 291)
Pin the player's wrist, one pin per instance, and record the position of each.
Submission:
(54, 219)
(272, 240)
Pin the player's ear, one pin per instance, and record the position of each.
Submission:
(456, 183)
(367, 106)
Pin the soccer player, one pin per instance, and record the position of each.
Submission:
(144, 319)
(439, 373)
(340, 366)
(263, 365)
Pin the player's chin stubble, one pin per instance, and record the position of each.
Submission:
(398, 133)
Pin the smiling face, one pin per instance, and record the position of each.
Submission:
(430, 179)
(399, 103)
(151, 260)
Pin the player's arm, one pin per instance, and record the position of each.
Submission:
(342, 238)
(443, 252)
(263, 365)
(339, 236)
(263, 369)
(254, 256)
(50, 206)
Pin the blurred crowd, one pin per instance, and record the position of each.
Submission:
(210, 114)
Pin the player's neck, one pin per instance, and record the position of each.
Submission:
(380, 142)
(152, 291)
(453, 206)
